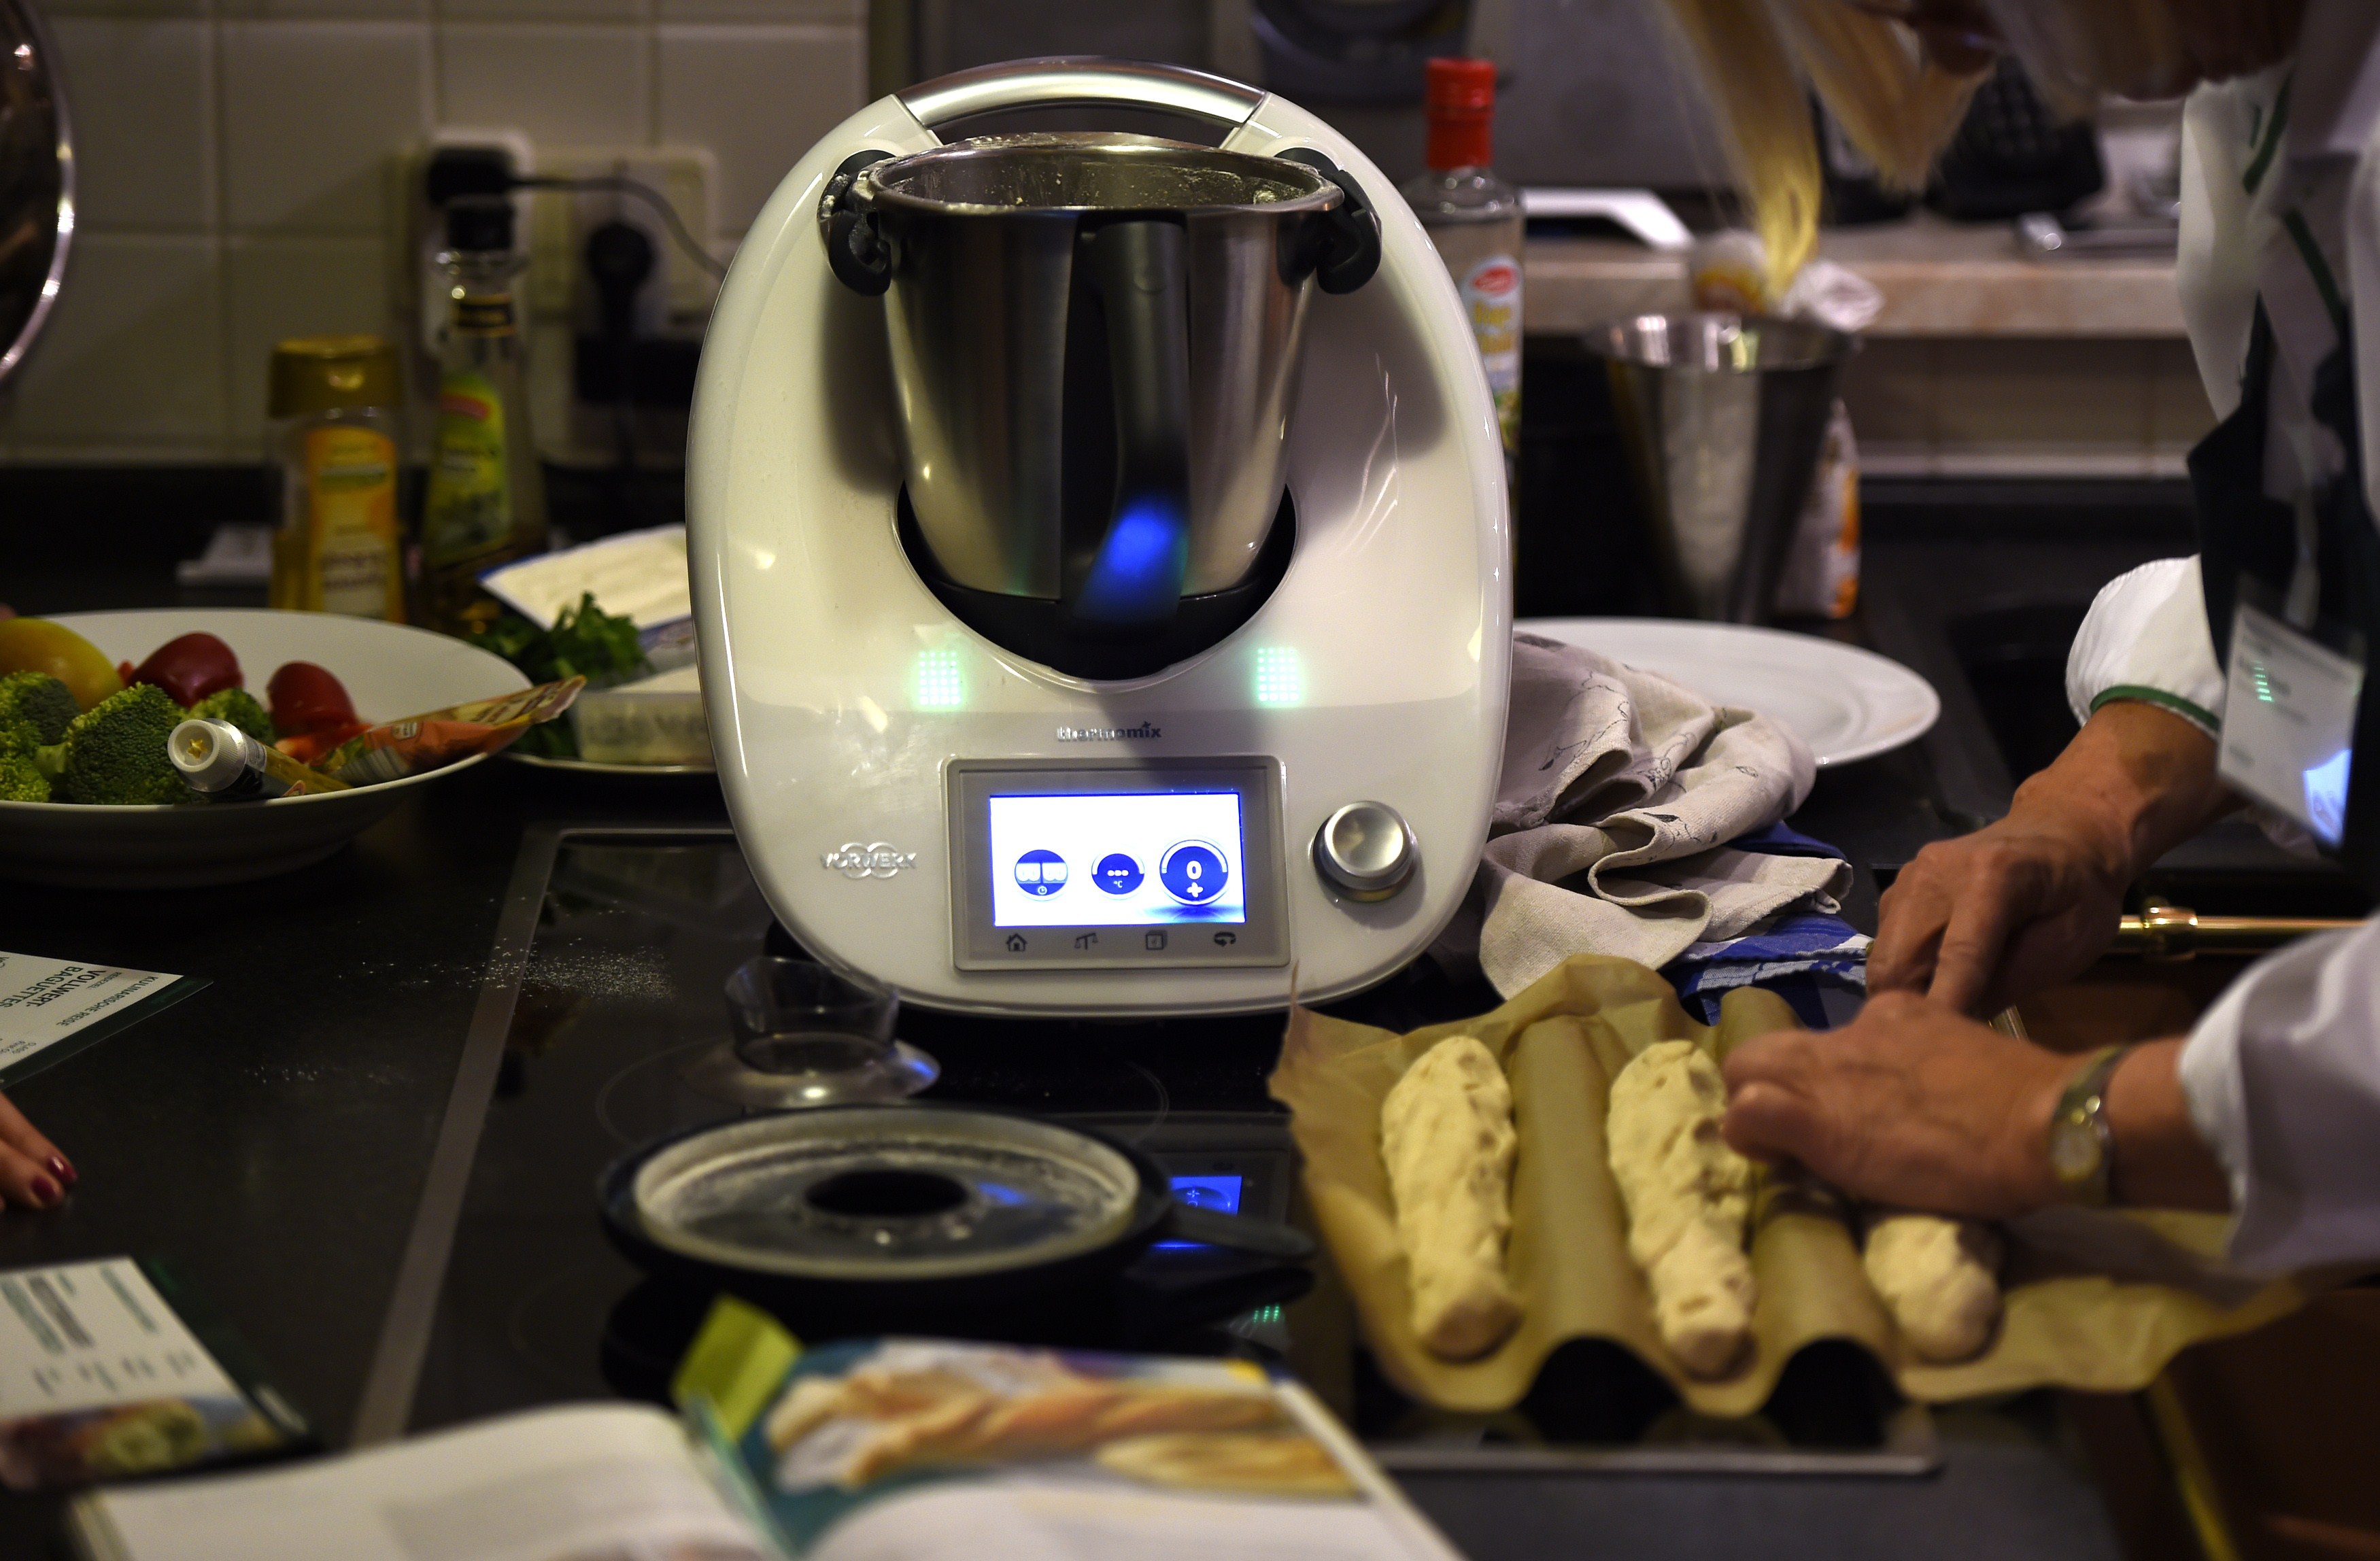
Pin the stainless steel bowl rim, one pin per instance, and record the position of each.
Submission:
(1319, 195)
(1812, 344)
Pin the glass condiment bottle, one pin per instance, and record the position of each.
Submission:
(332, 441)
(486, 500)
(1475, 220)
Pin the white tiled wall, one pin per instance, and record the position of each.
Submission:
(234, 159)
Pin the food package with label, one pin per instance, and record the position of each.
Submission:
(657, 720)
(397, 748)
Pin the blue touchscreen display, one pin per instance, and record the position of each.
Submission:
(1122, 859)
(1217, 1194)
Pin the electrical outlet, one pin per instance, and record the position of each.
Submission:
(681, 287)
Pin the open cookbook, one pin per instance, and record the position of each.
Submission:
(888, 1450)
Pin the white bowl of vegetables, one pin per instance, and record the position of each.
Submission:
(388, 672)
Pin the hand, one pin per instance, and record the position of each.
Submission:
(33, 1172)
(1910, 1104)
(1981, 922)
(1978, 922)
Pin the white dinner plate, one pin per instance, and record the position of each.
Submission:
(1845, 702)
(596, 766)
(389, 671)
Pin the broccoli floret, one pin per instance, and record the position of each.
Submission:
(114, 751)
(40, 702)
(238, 707)
(20, 772)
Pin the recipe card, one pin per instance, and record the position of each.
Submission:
(101, 1378)
(44, 1001)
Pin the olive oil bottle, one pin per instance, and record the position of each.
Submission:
(1475, 220)
(486, 500)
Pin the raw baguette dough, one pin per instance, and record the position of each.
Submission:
(1687, 1194)
(1446, 1132)
(1940, 1278)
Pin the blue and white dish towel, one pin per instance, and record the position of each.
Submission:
(1816, 962)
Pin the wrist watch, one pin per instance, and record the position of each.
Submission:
(2081, 1146)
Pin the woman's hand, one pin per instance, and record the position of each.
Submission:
(33, 1172)
(1916, 1106)
(1982, 921)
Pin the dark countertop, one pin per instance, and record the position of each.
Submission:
(269, 1136)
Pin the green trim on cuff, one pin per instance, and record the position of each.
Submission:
(2197, 715)
(2273, 129)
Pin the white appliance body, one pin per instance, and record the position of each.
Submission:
(846, 705)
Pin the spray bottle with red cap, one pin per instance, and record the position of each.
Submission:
(1475, 219)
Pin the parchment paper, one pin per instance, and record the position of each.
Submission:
(2094, 1300)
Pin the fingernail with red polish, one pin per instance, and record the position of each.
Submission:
(45, 1191)
(65, 1173)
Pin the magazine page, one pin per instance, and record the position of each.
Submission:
(102, 1377)
(923, 1450)
(589, 1484)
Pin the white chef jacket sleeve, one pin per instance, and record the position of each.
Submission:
(2282, 1076)
(2146, 638)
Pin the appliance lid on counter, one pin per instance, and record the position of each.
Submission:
(885, 1192)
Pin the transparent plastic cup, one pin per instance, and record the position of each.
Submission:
(806, 1036)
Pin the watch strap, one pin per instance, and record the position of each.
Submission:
(2083, 1107)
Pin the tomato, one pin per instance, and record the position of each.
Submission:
(307, 698)
(189, 667)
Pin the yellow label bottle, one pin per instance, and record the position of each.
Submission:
(333, 444)
(486, 503)
(470, 492)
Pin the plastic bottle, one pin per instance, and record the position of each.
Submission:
(1475, 219)
(486, 503)
(332, 445)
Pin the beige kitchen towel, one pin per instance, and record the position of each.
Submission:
(1619, 789)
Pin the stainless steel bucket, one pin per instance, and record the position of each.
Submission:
(1095, 344)
(1722, 417)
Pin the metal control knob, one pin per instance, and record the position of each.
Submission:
(1365, 851)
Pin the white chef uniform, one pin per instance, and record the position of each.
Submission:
(2280, 189)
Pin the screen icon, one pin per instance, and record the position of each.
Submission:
(1193, 872)
(1153, 941)
(1117, 873)
(1041, 873)
(1217, 1194)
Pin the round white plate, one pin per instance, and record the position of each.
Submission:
(596, 767)
(389, 671)
(1846, 703)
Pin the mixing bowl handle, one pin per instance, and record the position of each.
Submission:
(855, 251)
(1133, 578)
(1351, 251)
(1079, 79)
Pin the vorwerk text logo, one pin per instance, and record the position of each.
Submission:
(855, 861)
